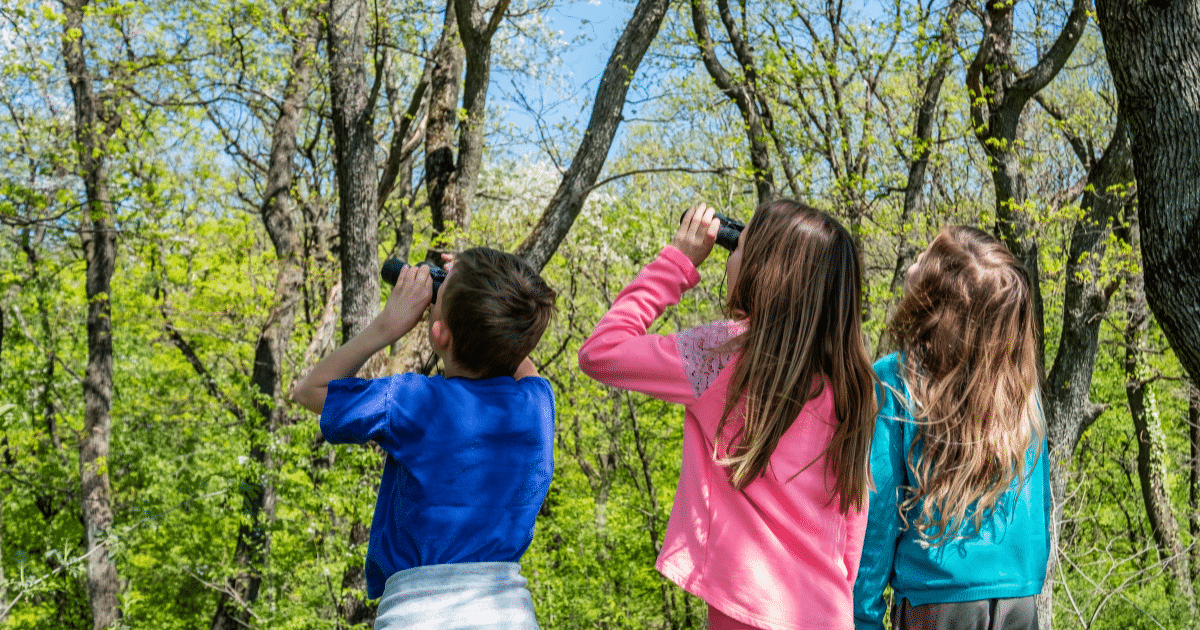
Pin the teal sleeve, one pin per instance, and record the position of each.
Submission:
(889, 474)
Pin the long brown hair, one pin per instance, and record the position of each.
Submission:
(799, 287)
(965, 326)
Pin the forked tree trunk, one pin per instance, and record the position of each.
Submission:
(99, 245)
(476, 29)
(999, 96)
(445, 204)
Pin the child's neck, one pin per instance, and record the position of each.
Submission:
(452, 369)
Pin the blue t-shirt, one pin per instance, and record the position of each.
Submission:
(468, 465)
(1007, 558)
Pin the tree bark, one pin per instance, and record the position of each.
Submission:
(1151, 442)
(99, 245)
(1153, 50)
(444, 202)
(476, 28)
(354, 150)
(999, 94)
(589, 158)
(279, 217)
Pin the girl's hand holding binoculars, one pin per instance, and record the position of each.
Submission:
(697, 233)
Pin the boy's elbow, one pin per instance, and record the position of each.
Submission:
(311, 398)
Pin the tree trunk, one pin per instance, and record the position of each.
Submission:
(1069, 410)
(1151, 442)
(444, 202)
(744, 95)
(279, 217)
(467, 33)
(99, 245)
(1153, 50)
(589, 158)
(354, 150)
(999, 95)
(476, 29)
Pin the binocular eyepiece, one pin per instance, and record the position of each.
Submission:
(728, 233)
(391, 272)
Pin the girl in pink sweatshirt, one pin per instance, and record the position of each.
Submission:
(769, 514)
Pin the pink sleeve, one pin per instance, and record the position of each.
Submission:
(621, 353)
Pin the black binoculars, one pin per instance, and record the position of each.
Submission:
(391, 272)
(728, 233)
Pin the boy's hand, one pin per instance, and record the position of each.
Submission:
(697, 233)
(407, 302)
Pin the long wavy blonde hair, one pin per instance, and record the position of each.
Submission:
(799, 288)
(966, 330)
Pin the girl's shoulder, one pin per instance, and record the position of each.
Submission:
(891, 391)
(705, 350)
(889, 368)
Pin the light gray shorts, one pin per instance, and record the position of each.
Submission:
(463, 596)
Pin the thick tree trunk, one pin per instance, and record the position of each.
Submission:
(279, 217)
(354, 148)
(1151, 442)
(1153, 50)
(99, 244)
(589, 159)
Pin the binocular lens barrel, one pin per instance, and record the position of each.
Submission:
(391, 272)
(728, 233)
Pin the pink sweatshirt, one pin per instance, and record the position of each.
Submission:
(776, 555)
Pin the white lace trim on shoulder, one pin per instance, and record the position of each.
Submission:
(701, 350)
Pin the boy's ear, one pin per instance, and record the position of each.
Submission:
(439, 334)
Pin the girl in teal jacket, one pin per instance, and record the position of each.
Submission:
(959, 518)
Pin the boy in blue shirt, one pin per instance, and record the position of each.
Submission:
(469, 454)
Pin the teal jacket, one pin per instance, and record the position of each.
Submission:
(1007, 558)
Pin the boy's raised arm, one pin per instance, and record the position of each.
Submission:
(408, 300)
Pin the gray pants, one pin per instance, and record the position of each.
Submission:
(465, 596)
(1019, 613)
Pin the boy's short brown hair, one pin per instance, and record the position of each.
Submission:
(496, 307)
